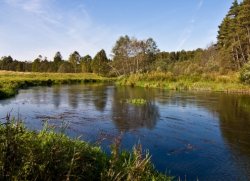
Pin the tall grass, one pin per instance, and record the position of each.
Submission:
(46, 155)
(167, 80)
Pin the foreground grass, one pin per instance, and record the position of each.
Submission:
(204, 82)
(10, 82)
(46, 155)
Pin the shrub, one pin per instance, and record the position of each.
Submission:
(245, 73)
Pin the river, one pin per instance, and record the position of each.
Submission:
(200, 135)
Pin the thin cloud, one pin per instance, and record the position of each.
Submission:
(187, 32)
(27, 5)
(49, 29)
(185, 36)
(200, 4)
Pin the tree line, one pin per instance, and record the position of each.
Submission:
(131, 55)
(75, 64)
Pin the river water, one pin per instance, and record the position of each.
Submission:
(191, 135)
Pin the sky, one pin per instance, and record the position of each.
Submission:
(29, 28)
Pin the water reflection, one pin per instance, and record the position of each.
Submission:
(130, 117)
(99, 96)
(56, 96)
(234, 113)
(202, 133)
(73, 96)
(37, 97)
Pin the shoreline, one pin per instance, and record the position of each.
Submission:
(11, 82)
(222, 84)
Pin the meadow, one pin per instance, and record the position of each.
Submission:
(10, 81)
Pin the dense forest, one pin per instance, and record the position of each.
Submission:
(130, 55)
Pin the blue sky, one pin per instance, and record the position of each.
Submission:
(32, 27)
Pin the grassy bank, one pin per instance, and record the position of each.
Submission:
(46, 155)
(10, 82)
(203, 82)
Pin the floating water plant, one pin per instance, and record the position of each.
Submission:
(137, 101)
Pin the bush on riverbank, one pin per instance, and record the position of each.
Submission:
(245, 73)
(46, 155)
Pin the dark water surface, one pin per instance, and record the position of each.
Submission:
(197, 134)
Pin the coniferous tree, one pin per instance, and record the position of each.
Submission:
(86, 63)
(244, 26)
(74, 59)
(100, 63)
(36, 64)
(233, 34)
(58, 60)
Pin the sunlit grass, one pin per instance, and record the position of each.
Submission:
(203, 82)
(10, 82)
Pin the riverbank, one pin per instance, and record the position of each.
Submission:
(11, 82)
(206, 82)
(46, 155)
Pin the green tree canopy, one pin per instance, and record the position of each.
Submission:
(74, 59)
(86, 63)
(100, 63)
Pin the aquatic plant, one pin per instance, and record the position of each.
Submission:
(136, 101)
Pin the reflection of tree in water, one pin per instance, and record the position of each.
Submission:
(36, 92)
(5, 102)
(56, 96)
(86, 95)
(73, 93)
(126, 116)
(234, 114)
(181, 99)
(99, 93)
